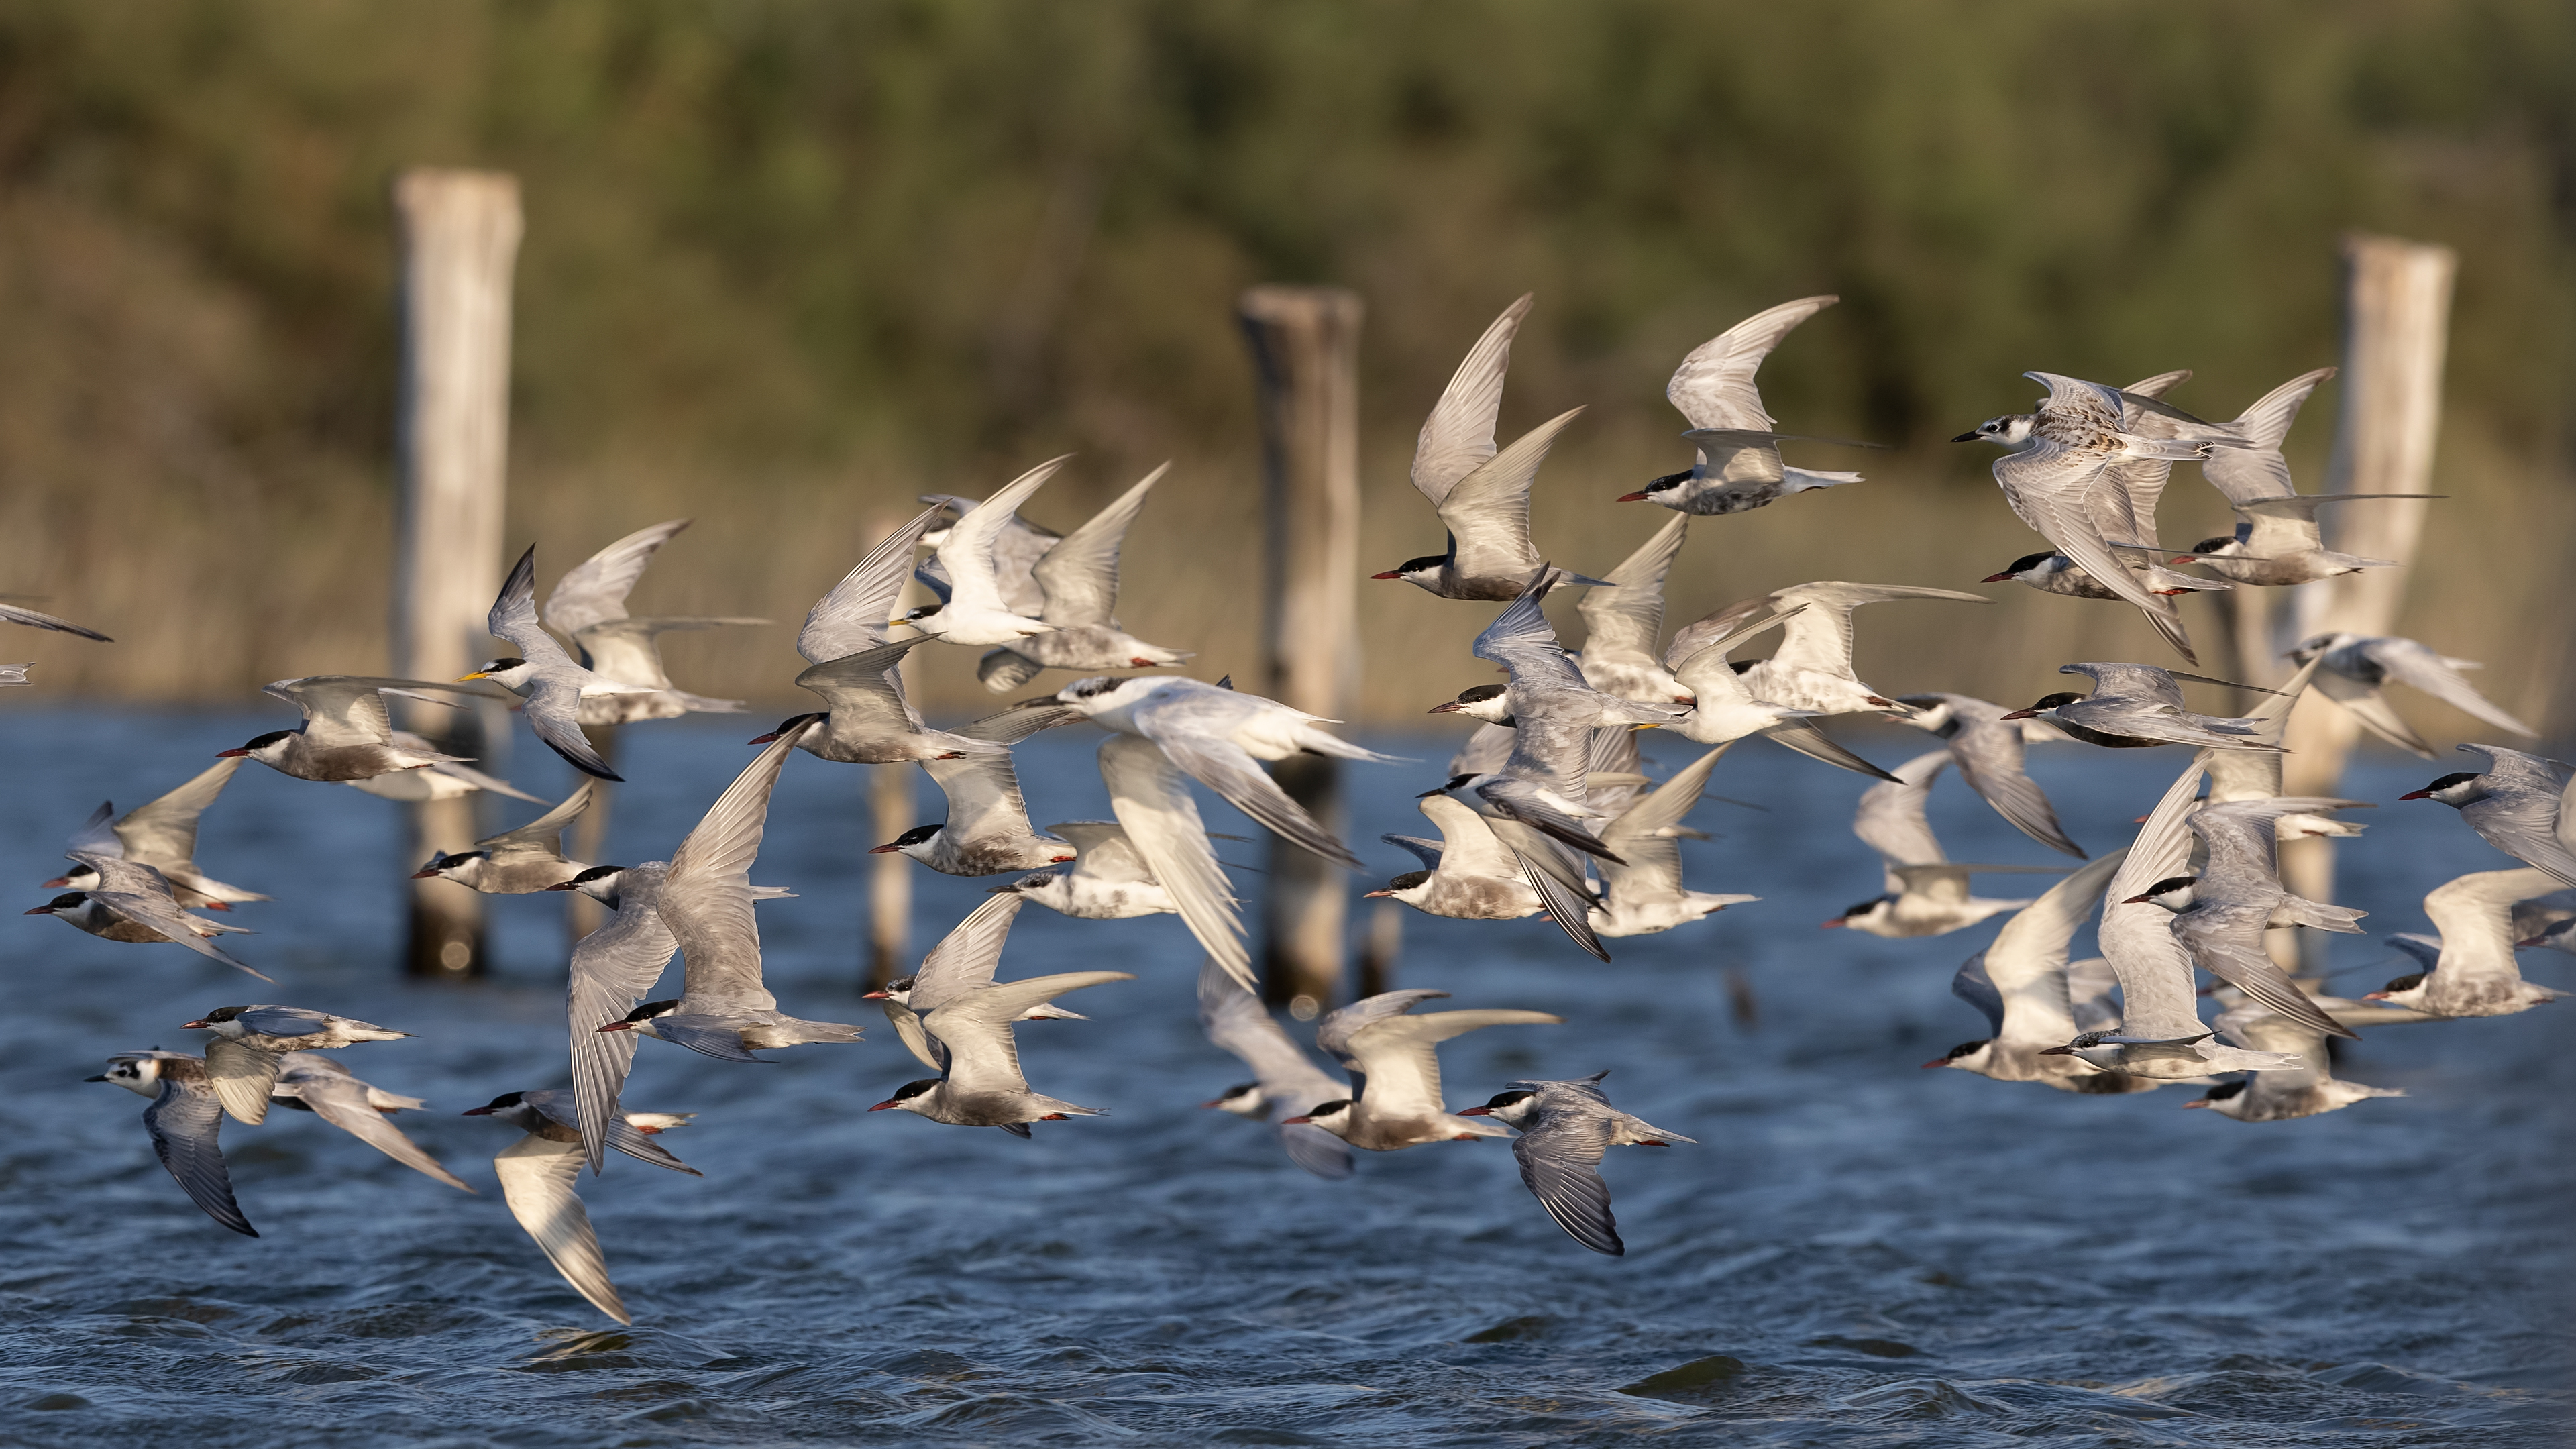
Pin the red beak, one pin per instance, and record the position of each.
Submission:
(1475, 1112)
(874, 996)
(619, 1026)
(1632, 498)
(1389, 574)
(475, 1112)
(2023, 714)
(2374, 996)
(2416, 795)
(230, 754)
(1995, 579)
(1450, 708)
(39, 911)
(216, 906)
(2186, 558)
(881, 1106)
(197, 1025)
(432, 874)
(2139, 901)
(57, 883)
(888, 849)
(769, 738)
(1293, 1121)
(2195, 1102)
(1836, 921)
(1140, 663)
(1936, 1062)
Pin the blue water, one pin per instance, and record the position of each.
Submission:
(1859, 1252)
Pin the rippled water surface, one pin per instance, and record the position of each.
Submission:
(1859, 1252)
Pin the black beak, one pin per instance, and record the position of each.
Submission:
(1965, 438)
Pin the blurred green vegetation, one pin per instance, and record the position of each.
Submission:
(789, 262)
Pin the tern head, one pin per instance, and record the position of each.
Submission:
(2012, 430)
(1864, 911)
(789, 723)
(1105, 692)
(914, 842)
(510, 673)
(465, 867)
(79, 878)
(2455, 789)
(599, 883)
(2410, 985)
(1967, 1056)
(898, 991)
(635, 1020)
(1417, 570)
(2029, 568)
(1511, 1108)
(1486, 702)
(1333, 1116)
(2224, 546)
(1656, 490)
(2048, 704)
(910, 1097)
(138, 1074)
(2316, 644)
(1408, 887)
(1244, 1099)
(915, 616)
(2227, 1099)
(511, 1107)
(69, 903)
(268, 749)
(2175, 893)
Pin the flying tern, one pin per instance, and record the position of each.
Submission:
(132, 903)
(1926, 892)
(162, 835)
(987, 830)
(540, 1171)
(1077, 578)
(2280, 1096)
(2352, 669)
(1286, 1082)
(542, 674)
(2025, 986)
(251, 1044)
(346, 734)
(515, 862)
(975, 611)
(184, 1120)
(2474, 972)
(1565, 1128)
(2136, 706)
(589, 606)
(2517, 806)
(1394, 1062)
(1738, 467)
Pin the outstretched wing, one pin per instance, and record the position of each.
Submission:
(1080, 574)
(1459, 435)
(1151, 798)
(594, 591)
(537, 1177)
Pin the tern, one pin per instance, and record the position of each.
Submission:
(1077, 579)
(1394, 1062)
(2277, 542)
(515, 862)
(974, 612)
(704, 900)
(1987, 746)
(184, 1120)
(1812, 668)
(970, 1015)
(2474, 973)
(2056, 455)
(132, 903)
(1565, 1127)
(1286, 1082)
(251, 1044)
(544, 675)
(857, 668)
(1642, 892)
(1482, 493)
(1546, 684)
(2279, 1096)
(2221, 913)
(539, 1172)
(2123, 509)
(162, 835)
(346, 734)
(2352, 668)
(588, 606)
(1466, 875)
(1723, 708)
(1926, 893)
(2517, 806)
(1168, 729)
(987, 830)
(2138, 706)
(1738, 466)
(895, 997)
(2025, 986)
(1108, 880)
(1623, 616)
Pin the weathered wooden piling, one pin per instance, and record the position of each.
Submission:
(460, 237)
(1305, 351)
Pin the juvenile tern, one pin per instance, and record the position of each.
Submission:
(2025, 986)
(970, 1016)
(975, 611)
(987, 830)
(2475, 973)
(132, 903)
(2279, 1096)
(589, 606)
(1107, 881)
(539, 1172)
(542, 674)
(346, 734)
(515, 862)
(2138, 706)
(162, 835)
(1285, 1081)
(1565, 1127)
(1738, 466)
(2352, 668)
(1077, 577)
(2517, 806)
(251, 1044)
(1482, 494)
(1987, 746)
(184, 1120)
(1926, 894)
(867, 720)
(1394, 1063)
(2123, 507)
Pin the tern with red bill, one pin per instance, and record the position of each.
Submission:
(516, 862)
(162, 835)
(2138, 706)
(2474, 972)
(132, 903)
(347, 735)
(251, 1044)
(1394, 1063)
(2517, 806)
(987, 831)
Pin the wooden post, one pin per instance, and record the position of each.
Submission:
(460, 237)
(1305, 348)
(894, 809)
(2397, 321)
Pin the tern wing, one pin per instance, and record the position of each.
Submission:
(1560, 1161)
(1102, 850)
(1487, 512)
(342, 1101)
(1623, 617)
(1643, 832)
(1151, 799)
(2405, 661)
(1713, 387)
(1973, 985)
(184, 1121)
(345, 709)
(1891, 821)
(1080, 573)
(964, 960)
(543, 835)
(594, 591)
(2474, 913)
(12, 614)
(160, 915)
(164, 833)
(706, 898)
(1467, 844)
(1225, 767)
(2027, 963)
(1989, 752)
(1234, 1019)
(967, 550)
(2157, 997)
(553, 710)
(241, 1078)
(1524, 642)
(1458, 437)
(513, 620)
(2225, 938)
(1819, 636)
(854, 615)
(1400, 1055)
(537, 1178)
(613, 968)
